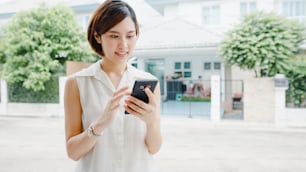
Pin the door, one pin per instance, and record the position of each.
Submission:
(157, 67)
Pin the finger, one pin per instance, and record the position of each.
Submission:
(115, 107)
(118, 97)
(131, 111)
(120, 93)
(150, 95)
(136, 101)
(115, 101)
(135, 107)
(128, 109)
(121, 90)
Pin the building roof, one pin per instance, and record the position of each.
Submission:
(176, 33)
(146, 15)
(159, 5)
(10, 7)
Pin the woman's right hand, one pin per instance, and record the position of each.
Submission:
(77, 141)
(109, 113)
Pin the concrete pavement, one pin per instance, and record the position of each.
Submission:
(197, 145)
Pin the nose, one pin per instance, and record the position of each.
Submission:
(123, 44)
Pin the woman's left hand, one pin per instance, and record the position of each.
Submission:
(148, 112)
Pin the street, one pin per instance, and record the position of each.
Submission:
(189, 144)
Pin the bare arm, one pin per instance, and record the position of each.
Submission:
(153, 136)
(78, 143)
(150, 114)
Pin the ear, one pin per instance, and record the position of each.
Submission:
(97, 37)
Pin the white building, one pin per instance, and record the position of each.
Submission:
(222, 14)
(180, 37)
(192, 30)
(82, 9)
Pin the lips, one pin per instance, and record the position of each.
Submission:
(121, 54)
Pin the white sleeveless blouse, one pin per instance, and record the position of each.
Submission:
(121, 148)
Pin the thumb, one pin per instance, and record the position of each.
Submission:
(150, 94)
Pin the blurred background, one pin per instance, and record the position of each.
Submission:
(240, 61)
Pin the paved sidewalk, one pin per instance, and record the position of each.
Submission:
(197, 145)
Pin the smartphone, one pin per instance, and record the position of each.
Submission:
(138, 89)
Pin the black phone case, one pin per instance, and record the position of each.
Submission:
(138, 89)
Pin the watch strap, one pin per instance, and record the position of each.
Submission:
(91, 132)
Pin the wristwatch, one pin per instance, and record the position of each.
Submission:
(91, 132)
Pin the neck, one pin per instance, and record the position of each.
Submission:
(109, 67)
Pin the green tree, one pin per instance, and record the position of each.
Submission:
(263, 42)
(38, 43)
(296, 93)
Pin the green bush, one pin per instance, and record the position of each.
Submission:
(17, 93)
(38, 42)
(195, 99)
(296, 93)
(263, 42)
(269, 44)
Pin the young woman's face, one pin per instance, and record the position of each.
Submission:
(118, 43)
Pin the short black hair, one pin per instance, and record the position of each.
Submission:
(106, 16)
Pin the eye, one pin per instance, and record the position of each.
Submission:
(114, 36)
(130, 36)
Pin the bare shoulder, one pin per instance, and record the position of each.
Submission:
(71, 82)
(71, 86)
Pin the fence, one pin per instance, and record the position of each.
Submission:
(295, 98)
(232, 98)
(193, 98)
(186, 97)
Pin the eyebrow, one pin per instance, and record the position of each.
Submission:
(112, 31)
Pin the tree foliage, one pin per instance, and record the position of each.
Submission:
(296, 93)
(263, 42)
(38, 42)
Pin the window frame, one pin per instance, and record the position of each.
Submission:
(188, 63)
(248, 7)
(205, 67)
(189, 74)
(177, 63)
(211, 14)
(215, 64)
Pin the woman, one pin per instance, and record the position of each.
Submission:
(98, 133)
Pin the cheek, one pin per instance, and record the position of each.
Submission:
(132, 44)
(107, 47)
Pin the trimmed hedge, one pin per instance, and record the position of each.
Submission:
(17, 93)
(195, 99)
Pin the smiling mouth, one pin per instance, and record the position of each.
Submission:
(121, 54)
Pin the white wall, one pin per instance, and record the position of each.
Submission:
(287, 116)
(197, 64)
(229, 11)
(170, 12)
(32, 109)
(191, 12)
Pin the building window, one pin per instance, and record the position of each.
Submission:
(83, 20)
(211, 15)
(207, 65)
(187, 75)
(135, 65)
(294, 9)
(187, 65)
(177, 65)
(247, 8)
(87, 20)
(178, 74)
(217, 65)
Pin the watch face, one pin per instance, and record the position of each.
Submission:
(89, 132)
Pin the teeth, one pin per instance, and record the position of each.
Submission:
(121, 53)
